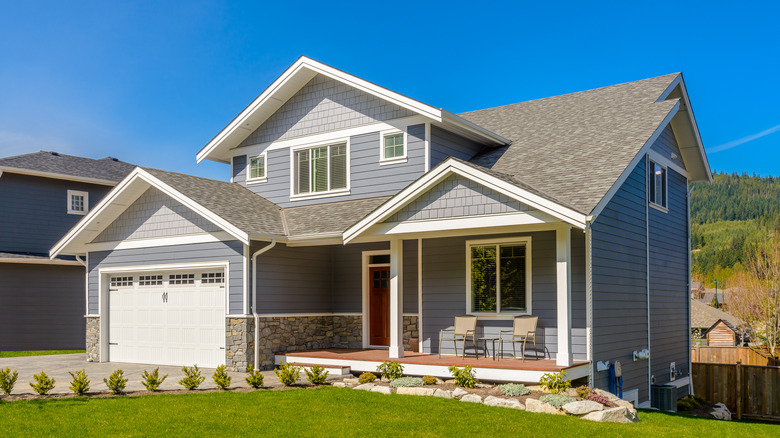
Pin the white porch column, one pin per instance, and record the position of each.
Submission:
(396, 299)
(563, 256)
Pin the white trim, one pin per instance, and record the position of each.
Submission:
(514, 229)
(523, 240)
(666, 162)
(394, 160)
(247, 279)
(647, 281)
(462, 223)
(301, 315)
(589, 301)
(419, 293)
(103, 182)
(261, 179)
(396, 298)
(330, 192)
(366, 311)
(427, 147)
(168, 267)
(652, 163)
(564, 356)
(85, 199)
(655, 206)
(217, 236)
(24, 261)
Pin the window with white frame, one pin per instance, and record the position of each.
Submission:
(657, 184)
(121, 281)
(78, 202)
(393, 147)
(181, 279)
(257, 168)
(150, 280)
(212, 278)
(499, 276)
(320, 169)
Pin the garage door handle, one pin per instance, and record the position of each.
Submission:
(113, 343)
(221, 348)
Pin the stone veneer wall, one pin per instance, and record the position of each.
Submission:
(93, 338)
(239, 342)
(411, 330)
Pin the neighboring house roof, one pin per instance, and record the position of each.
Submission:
(11, 257)
(704, 316)
(728, 324)
(107, 170)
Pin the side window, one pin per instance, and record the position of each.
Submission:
(78, 202)
(393, 147)
(656, 183)
(257, 168)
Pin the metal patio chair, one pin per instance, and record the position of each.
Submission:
(465, 328)
(523, 329)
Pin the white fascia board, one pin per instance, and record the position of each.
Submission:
(460, 122)
(103, 182)
(461, 223)
(31, 261)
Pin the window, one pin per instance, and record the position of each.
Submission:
(78, 202)
(257, 168)
(499, 276)
(181, 279)
(212, 278)
(393, 147)
(657, 184)
(121, 281)
(150, 280)
(320, 169)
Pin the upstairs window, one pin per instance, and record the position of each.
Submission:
(257, 168)
(393, 147)
(320, 169)
(78, 202)
(657, 185)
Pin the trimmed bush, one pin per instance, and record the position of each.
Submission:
(316, 375)
(7, 380)
(288, 373)
(116, 382)
(367, 377)
(557, 400)
(152, 381)
(430, 380)
(221, 378)
(80, 383)
(42, 383)
(390, 370)
(555, 382)
(254, 378)
(192, 378)
(463, 377)
(514, 389)
(407, 381)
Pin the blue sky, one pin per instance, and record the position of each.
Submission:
(152, 82)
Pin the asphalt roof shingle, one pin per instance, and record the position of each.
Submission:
(333, 217)
(109, 169)
(704, 316)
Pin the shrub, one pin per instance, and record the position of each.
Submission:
(583, 391)
(514, 389)
(597, 398)
(430, 380)
(390, 370)
(316, 375)
(690, 403)
(43, 383)
(557, 400)
(288, 373)
(152, 381)
(407, 381)
(367, 377)
(80, 383)
(555, 382)
(463, 377)
(254, 377)
(192, 378)
(699, 399)
(116, 381)
(221, 378)
(7, 380)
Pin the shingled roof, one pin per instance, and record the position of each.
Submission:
(106, 169)
(704, 316)
(574, 147)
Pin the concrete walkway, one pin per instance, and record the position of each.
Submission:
(58, 365)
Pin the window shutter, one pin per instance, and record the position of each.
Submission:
(338, 166)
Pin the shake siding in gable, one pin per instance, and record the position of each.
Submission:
(446, 144)
(666, 145)
(619, 264)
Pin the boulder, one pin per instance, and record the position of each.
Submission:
(619, 414)
(504, 402)
(459, 392)
(617, 401)
(471, 398)
(351, 381)
(483, 385)
(365, 387)
(721, 412)
(534, 405)
(339, 384)
(415, 390)
(442, 393)
(582, 407)
(382, 389)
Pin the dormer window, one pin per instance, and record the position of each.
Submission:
(78, 202)
(257, 168)
(393, 147)
(321, 170)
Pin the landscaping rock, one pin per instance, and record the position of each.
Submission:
(415, 390)
(471, 398)
(504, 402)
(365, 387)
(617, 401)
(534, 405)
(484, 385)
(351, 381)
(619, 414)
(442, 393)
(571, 392)
(459, 392)
(721, 412)
(382, 389)
(452, 381)
(582, 407)
(339, 384)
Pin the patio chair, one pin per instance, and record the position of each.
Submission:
(523, 329)
(465, 328)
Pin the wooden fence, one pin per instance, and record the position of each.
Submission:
(732, 355)
(747, 390)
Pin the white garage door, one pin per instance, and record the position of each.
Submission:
(167, 318)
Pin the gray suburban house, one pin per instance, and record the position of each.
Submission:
(361, 221)
(43, 195)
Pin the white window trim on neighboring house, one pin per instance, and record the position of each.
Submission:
(393, 160)
(85, 199)
(327, 193)
(523, 240)
(651, 174)
(260, 179)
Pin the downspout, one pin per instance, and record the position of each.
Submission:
(690, 265)
(589, 298)
(647, 277)
(254, 299)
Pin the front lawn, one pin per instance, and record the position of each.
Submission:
(326, 412)
(37, 353)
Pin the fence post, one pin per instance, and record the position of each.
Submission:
(739, 389)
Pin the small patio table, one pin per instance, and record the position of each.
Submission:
(485, 340)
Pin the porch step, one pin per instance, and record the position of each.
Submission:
(333, 370)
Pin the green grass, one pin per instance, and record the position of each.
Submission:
(327, 412)
(37, 353)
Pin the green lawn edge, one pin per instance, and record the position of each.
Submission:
(38, 353)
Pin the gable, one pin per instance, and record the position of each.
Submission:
(155, 214)
(667, 146)
(457, 196)
(322, 105)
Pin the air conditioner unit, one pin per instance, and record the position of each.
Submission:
(663, 397)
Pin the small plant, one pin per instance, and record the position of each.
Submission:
(7, 380)
(254, 377)
(221, 378)
(583, 391)
(367, 377)
(407, 381)
(597, 398)
(390, 370)
(430, 380)
(316, 375)
(690, 403)
(152, 381)
(80, 383)
(43, 383)
(116, 382)
(288, 373)
(514, 390)
(555, 382)
(557, 400)
(463, 377)
(192, 378)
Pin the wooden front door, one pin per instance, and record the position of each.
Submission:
(379, 305)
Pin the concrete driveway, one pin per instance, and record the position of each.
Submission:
(57, 367)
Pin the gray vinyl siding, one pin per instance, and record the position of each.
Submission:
(41, 307)
(666, 145)
(347, 275)
(444, 292)
(619, 264)
(238, 169)
(367, 178)
(34, 212)
(446, 144)
(231, 251)
(669, 293)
